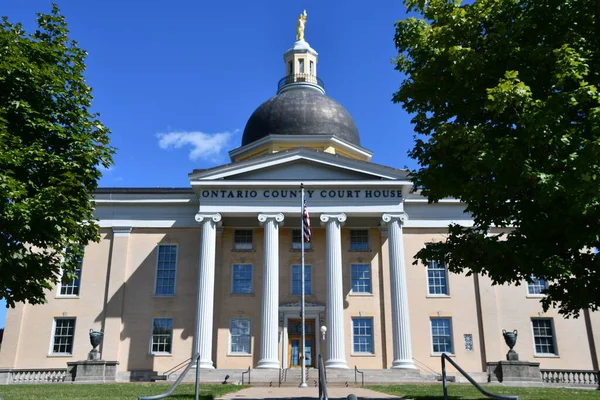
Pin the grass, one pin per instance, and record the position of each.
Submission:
(110, 391)
(457, 391)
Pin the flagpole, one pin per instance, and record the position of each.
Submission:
(303, 356)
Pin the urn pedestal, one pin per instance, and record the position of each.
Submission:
(514, 371)
(94, 369)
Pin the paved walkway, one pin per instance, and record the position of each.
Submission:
(304, 393)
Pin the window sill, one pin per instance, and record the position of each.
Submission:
(535, 296)
(546, 356)
(299, 250)
(163, 296)
(243, 294)
(360, 251)
(440, 354)
(363, 355)
(161, 355)
(239, 354)
(58, 355)
(243, 250)
(438, 296)
(360, 294)
(66, 296)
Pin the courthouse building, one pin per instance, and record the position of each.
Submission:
(225, 251)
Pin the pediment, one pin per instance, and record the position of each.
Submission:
(300, 164)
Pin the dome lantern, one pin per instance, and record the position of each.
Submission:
(300, 63)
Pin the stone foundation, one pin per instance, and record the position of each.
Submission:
(514, 371)
(92, 371)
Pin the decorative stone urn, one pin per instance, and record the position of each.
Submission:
(95, 340)
(511, 339)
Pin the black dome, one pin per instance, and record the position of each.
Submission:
(301, 111)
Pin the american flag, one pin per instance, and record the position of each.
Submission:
(306, 223)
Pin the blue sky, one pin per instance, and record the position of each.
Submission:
(192, 73)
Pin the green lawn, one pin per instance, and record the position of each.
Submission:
(458, 391)
(110, 391)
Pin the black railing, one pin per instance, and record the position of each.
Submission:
(482, 390)
(362, 376)
(300, 78)
(194, 360)
(244, 373)
(322, 380)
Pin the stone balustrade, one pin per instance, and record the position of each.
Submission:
(570, 377)
(25, 376)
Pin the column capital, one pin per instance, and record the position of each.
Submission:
(121, 231)
(326, 218)
(401, 217)
(278, 218)
(204, 217)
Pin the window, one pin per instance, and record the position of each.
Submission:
(441, 335)
(291, 67)
(359, 240)
(162, 336)
(242, 279)
(71, 288)
(301, 65)
(362, 335)
(311, 68)
(243, 239)
(297, 283)
(297, 241)
(64, 333)
(437, 279)
(240, 336)
(361, 278)
(536, 286)
(543, 336)
(165, 270)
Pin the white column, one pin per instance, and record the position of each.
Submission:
(336, 351)
(400, 319)
(270, 292)
(206, 288)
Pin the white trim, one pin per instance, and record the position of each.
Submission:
(437, 295)
(306, 267)
(143, 201)
(154, 294)
(352, 292)
(433, 353)
(556, 354)
(313, 139)
(161, 353)
(240, 354)
(51, 349)
(440, 223)
(231, 292)
(295, 184)
(362, 354)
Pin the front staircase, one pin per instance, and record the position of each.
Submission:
(291, 377)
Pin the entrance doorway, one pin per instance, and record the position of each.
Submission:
(295, 343)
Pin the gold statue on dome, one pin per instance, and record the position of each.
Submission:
(300, 26)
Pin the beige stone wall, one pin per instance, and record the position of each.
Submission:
(131, 306)
(27, 342)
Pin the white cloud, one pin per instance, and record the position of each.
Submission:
(106, 170)
(203, 145)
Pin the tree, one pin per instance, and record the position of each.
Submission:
(51, 147)
(504, 98)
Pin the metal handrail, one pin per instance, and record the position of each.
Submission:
(322, 380)
(244, 373)
(424, 366)
(195, 360)
(482, 390)
(362, 375)
(176, 368)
